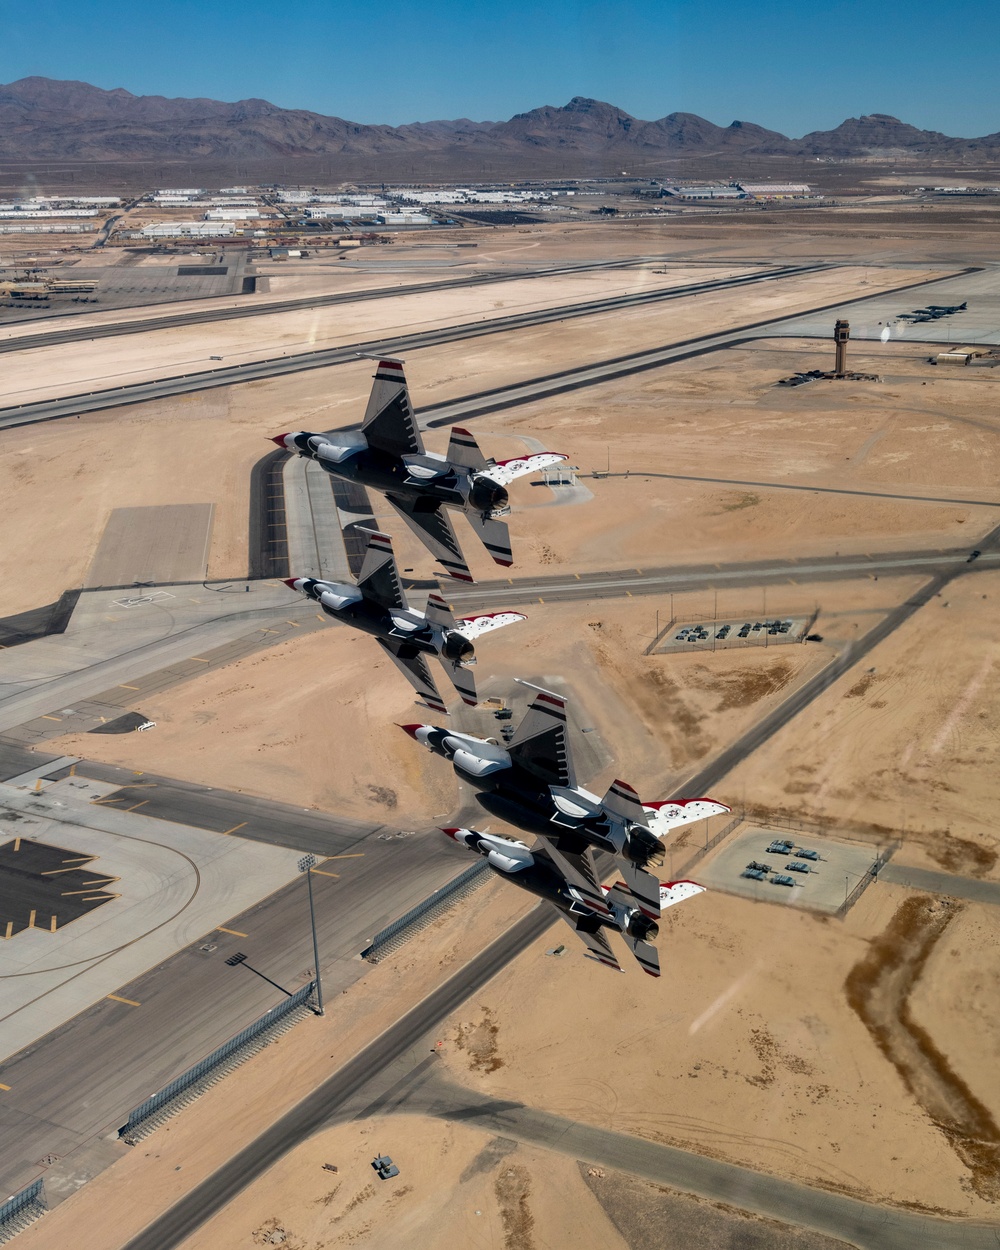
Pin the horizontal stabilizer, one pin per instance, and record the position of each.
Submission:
(598, 946)
(648, 956)
(462, 680)
(495, 537)
(504, 471)
(644, 887)
(430, 523)
(414, 669)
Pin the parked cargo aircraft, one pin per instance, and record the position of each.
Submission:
(388, 454)
(378, 606)
(531, 784)
(535, 870)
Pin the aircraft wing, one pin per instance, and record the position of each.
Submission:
(504, 471)
(474, 626)
(430, 523)
(578, 869)
(414, 669)
(669, 815)
(598, 946)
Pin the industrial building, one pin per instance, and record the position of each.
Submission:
(404, 219)
(187, 229)
(704, 193)
(31, 214)
(774, 190)
(68, 228)
(231, 214)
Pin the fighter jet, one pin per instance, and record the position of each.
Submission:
(377, 605)
(534, 869)
(946, 309)
(531, 784)
(388, 454)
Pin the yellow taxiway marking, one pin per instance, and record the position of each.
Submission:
(136, 805)
(319, 616)
(640, 572)
(353, 855)
(79, 859)
(17, 844)
(541, 600)
(235, 827)
(9, 933)
(295, 623)
(52, 924)
(123, 686)
(38, 784)
(577, 576)
(629, 593)
(31, 919)
(234, 932)
(129, 1002)
(510, 581)
(199, 660)
(72, 770)
(45, 716)
(325, 874)
(72, 893)
(105, 802)
(2, 1086)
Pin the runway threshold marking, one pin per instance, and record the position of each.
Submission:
(235, 827)
(233, 932)
(129, 1002)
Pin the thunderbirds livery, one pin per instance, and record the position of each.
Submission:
(387, 453)
(537, 871)
(377, 606)
(531, 784)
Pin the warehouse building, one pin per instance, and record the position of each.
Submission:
(775, 190)
(231, 214)
(187, 229)
(704, 193)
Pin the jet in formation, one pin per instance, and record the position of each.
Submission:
(531, 784)
(377, 605)
(535, 870)
(388, 454)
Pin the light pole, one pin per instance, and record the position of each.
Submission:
(306, 864)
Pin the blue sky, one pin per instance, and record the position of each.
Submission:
(793, 67)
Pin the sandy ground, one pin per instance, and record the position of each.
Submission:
(718, 416)
(745, 1049)
(332, 702)
(906, 742)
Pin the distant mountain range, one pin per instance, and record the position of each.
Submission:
(42, 118)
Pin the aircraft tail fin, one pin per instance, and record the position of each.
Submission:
(379, 579)
(438, 612)
(623, 802)
(389, 423)
(463, 450)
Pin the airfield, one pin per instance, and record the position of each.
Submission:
(822, 1079)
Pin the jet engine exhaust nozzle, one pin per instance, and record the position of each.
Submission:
(642, 928)
(488, 496)
(457, 647)
(642, 848)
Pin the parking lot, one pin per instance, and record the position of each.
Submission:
(751, 631)
(820, 884)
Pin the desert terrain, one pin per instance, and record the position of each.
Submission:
(852, 1056)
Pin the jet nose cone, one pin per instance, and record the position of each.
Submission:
(451, 833)
(279, 439)
(411, 729)
(293, 582)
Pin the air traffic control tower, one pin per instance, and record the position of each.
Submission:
(841, 333)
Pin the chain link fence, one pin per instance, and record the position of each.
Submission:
(193, 1083)
(394, 935)
(20, 1210)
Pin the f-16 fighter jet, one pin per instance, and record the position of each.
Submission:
(377, 605)
(531, 784)
(388, 454)
(535, 870)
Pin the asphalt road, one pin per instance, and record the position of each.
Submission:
(617, 583)
(139, 392)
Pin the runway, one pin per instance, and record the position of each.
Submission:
(204, 316)
(207, 379)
